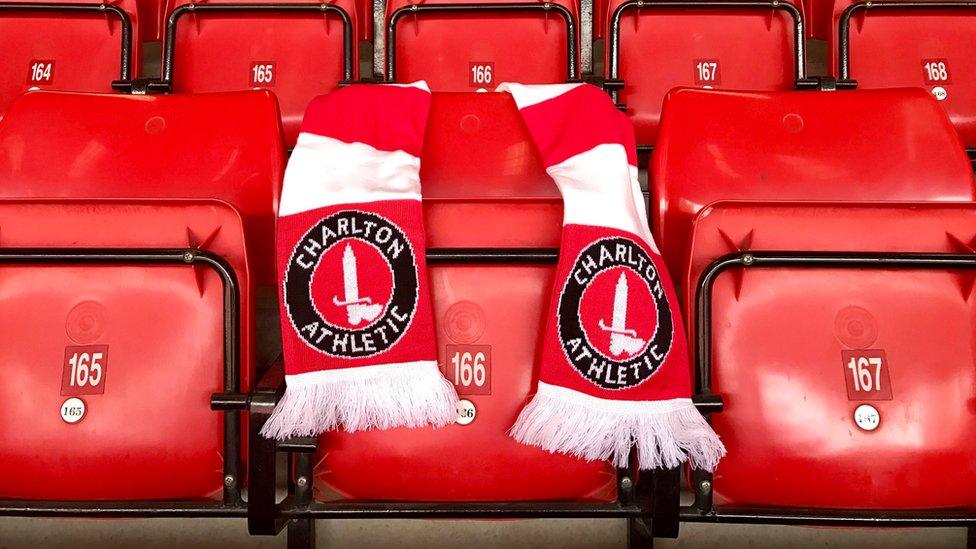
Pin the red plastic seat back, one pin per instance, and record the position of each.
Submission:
(108, 364)
(798, 350)
(892, 145)
(484, 187)
(152, 19)
(468, 45)
(364, 11)
(818, 18)
(719, 47)
(913, 47)
(298, 55)
(173, 146)
(78, 49)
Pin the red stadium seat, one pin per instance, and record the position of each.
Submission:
(794, 350)
(76, 45)
(850, 145)
(98, 176)
(844, 388)
(484, 187)
(150, 146)
(133, 350)
(893, 44)
(653, 47)
(296, 49)
(467, 45)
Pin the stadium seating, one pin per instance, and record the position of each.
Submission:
(138, 341)
(855, 146)
(795, 349)
(99, 178)
(470, 45)
(652, 48)
(484, 187)
(297, 50)
(893, 44)
(177, 146)
(76, 45)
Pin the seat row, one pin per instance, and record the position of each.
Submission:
(822, 242)
(300, 50)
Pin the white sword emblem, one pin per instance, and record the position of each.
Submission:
(622, 339)
(358, 308)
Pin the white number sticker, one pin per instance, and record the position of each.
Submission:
(867, 417)
(466, 412)
(73, 410)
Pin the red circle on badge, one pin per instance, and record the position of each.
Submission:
(618, 313)
(352, 285)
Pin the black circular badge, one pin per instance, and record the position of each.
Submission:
(350, 288)
(615, 324)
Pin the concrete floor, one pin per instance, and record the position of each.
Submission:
(406, 534)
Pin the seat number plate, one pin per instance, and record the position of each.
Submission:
(85, 368)
(481, 75)
(262, 74)
(468, 367)
(40, 72)
(936, 72)
(707, 72)
(866, 374)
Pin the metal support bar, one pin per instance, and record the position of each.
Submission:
(125, 62)
(572, 69)
(844, 30)
(614, 83)
(665, 502)
(119, 509)
(703, 509)
(262, 455)
(301, 531)
(867, 518)
(458, 510)
(440, 256)
(270, 8)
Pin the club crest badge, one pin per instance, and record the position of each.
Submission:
(350, 287)
(615, 325)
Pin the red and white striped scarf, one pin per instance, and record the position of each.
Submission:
(357, 329)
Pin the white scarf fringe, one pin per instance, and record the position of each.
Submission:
(667, 433)
(413, 394)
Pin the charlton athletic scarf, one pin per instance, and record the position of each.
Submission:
(357, 328)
